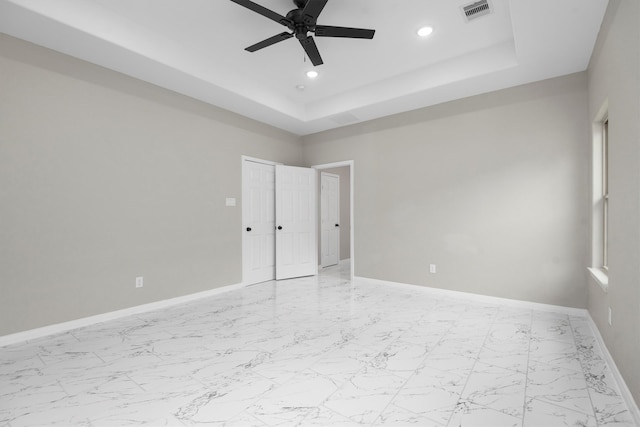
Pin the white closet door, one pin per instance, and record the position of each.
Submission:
(258, 199)
(296, 243)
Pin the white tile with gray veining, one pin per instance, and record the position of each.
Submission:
(317, 351)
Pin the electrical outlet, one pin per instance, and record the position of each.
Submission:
(432, 268)
(609, 316)
(139, 282)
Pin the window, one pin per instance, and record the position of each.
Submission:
(605, 195)
(600, 207)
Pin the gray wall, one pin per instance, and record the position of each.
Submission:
(105, 178)
(108, 178)
(492, 189)
(614, 74)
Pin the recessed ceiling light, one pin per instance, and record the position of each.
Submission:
(425, 31)
(312, 74)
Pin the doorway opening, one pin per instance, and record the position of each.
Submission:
(331, 218)
(346, 230)
(259, 244)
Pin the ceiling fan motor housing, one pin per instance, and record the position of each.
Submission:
(298, 24)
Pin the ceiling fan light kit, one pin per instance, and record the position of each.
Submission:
(302, 21)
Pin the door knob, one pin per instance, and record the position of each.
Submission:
(248, 228)
(279, 227)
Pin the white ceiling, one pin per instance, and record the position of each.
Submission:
(196, 47)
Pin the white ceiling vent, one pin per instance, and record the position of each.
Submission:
(476, 10)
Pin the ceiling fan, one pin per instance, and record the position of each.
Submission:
(300, 22)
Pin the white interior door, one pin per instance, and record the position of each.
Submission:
(258, 211)
(329, 219)
(296, 243)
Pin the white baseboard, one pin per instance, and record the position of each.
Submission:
(92, 320)
(445, 293)
(624, 390)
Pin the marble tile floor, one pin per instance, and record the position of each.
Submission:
(316, 351)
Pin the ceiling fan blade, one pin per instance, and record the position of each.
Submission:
(353, 33)
(268, 42)
(263, 11)
(312, 10)
(309, 46)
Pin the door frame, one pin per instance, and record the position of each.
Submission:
(351, 165)
(244, 159)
